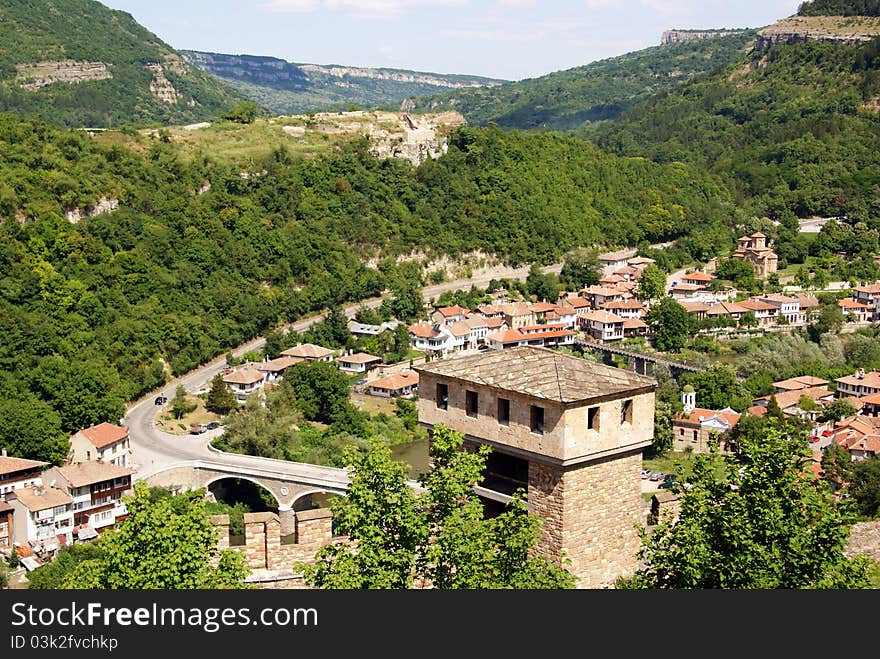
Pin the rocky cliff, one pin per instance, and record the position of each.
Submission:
(844, 29)
(677, 36)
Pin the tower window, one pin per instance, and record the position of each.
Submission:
(626, 413)
(471, 401)
(536, 419)
(442, 397)
(503, 412)
(593, 418)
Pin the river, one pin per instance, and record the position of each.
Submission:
(415, 454)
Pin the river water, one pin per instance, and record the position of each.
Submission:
(415, 454)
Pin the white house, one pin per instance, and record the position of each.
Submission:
(243, 382)
(789, 308)
(17, 473)
(399, 384)
(43, 517)
(359, 362)
(96, 490)
(433, 338)
(105, 441)
(309, 352)
(859, 384)
(603, 325)
(273, 370)
(869, 295)
(624, 308)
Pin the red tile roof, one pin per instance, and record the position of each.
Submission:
(697, 276)
(603, 317)
(757, 410)
(695, 307)
(307, 351)
(11, 465)
(542, 307)
(506, 336)
(634, 323)
(80, 474)
(278, 364)
(423, 330)
(495, 323)
(871, 379)
(753, 304)
(700, 414)
(360, 358)
(243, 376)
(104, 434)
(870, 289)
(800, 382)
(849, 303)
(455, 310)
(397, 381)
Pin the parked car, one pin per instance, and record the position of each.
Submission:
(198, 428)
(646, 473)
(668, 482)
(213, 425)
(160, 400)
(656, 475)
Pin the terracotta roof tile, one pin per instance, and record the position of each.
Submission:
(397, 381)
(104, 434)
(307, 351)
(360, 358)
(88, 473)
(9, 465)
(50, 497)
(243, 376)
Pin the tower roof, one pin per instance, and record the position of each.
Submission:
(543, 373)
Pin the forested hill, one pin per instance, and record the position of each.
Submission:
(840, 8)
(288, 88)
(793, 129)
(569, 99)
(79, 63)
(181, 271)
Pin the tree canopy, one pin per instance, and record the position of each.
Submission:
(754, 519)
(166, 543)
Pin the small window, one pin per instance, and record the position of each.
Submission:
(626, 412)
(442, 397)
(536, 418)
(593, 418)
(471, 401)
(503, 412)
(695, 436)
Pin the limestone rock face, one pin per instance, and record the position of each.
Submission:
(160, 86)
(41, 74)
(843, 29)
(104, 205)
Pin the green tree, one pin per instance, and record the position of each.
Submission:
(243, 113)
(31, 429)
(180, 404)
(379, 514)
(541, 285)
(837, 465)
(438, 536)
(718, 387)
(752, 520)
(580, 269)
(13, 558)
(55, 574)
(668, 321)
(865, 487)
(406, 302)
(838, 409)
(220, 399)
(830, 319)
(322, 390)
(161, 545)
(652, 283)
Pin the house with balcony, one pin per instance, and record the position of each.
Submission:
(612, 261)
(599, 295)
(43, 517)
(273, 370)
(789, 308)
(105, 441)
(568, 432)
(404, 383)
(854, 311)
(562, 315)
(859, 436)
(765, 313)
(869, 295)
(624, 308)
(697, 279)
(858, 384)
(449, 315)
(359, 362)
(244, 381)
(96, 490)
(17, 473)
(517, 314)
(603, 326)
(432, 338)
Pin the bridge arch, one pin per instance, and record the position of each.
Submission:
(262, 486)
(313, 498)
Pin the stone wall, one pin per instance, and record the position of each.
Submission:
(590, 513)
(271, 561)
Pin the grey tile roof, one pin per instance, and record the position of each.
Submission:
(541, 373)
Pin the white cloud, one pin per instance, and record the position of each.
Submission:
(517, 4)
(360, 8)
(602, 4)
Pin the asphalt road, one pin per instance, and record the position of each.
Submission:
(153, 450)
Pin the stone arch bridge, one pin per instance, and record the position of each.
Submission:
(290, 483)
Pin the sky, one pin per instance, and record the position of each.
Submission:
(507, 39)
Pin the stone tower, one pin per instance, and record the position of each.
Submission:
(568, 431)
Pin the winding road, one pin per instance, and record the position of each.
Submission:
(153, 450)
